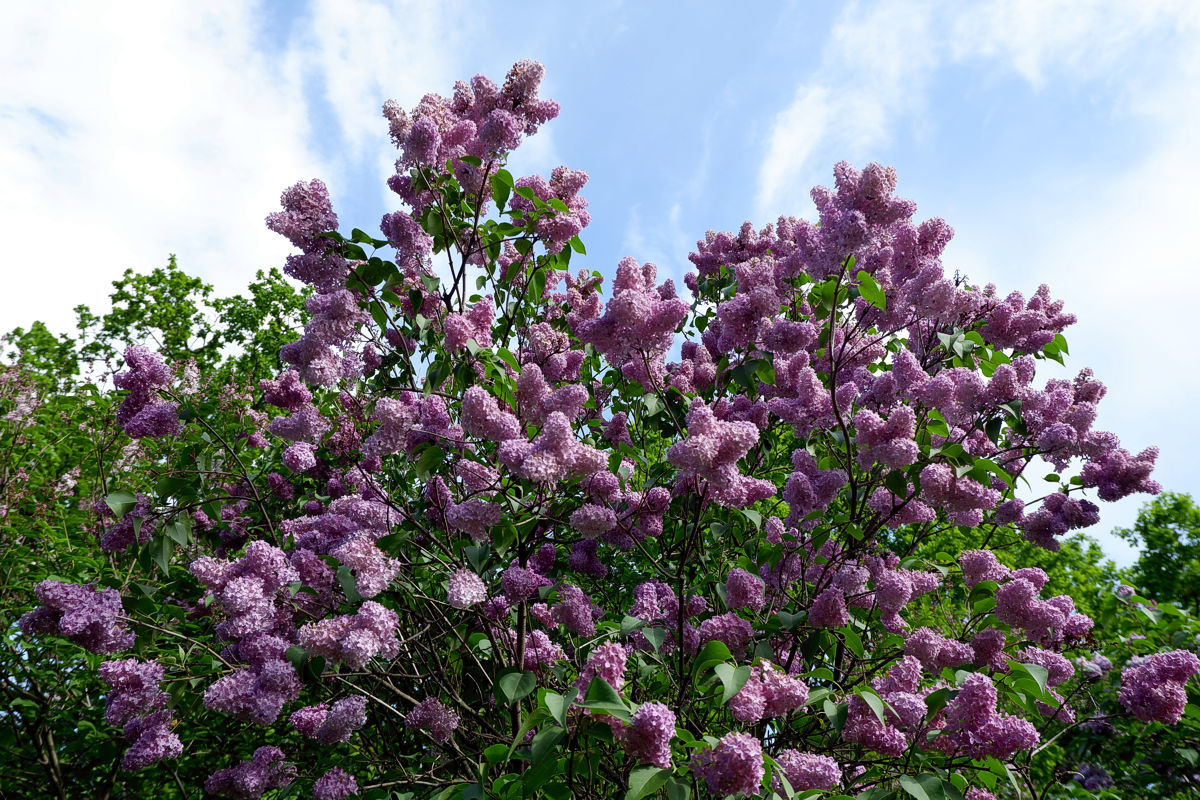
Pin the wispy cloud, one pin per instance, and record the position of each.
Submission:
(873, 72)
(167, 127)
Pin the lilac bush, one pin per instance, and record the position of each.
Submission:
(548, 539)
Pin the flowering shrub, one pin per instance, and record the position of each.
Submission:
(498, 532)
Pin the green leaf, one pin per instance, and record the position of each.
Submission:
(836, 713)
(496, 753)
(544, 741)
(558, 704)
(896, 483)
(875, 702)
(391, 544)
(923, 787)
(678, 790)
(348, 583)
(1039, 673)
(508, 358)
(603, 697)
(121, 503)
(500, 190)
(295, 655)
(645, 781)
(178, 532)
(477, 556)
(513, 684)
(935, 423)
(537, 284)
(577, 245)
(161, 548)
(655, 636)
(853, 641)
(732, 679)
(430, 458)
(526, 192)
(713, 653)
(788, 621)
(870, 290)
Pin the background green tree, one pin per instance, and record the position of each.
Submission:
(1168, 532)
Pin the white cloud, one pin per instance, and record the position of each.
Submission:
(169, 128)
(874, 68)
(131, 135)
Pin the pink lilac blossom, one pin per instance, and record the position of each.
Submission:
(300, 457)
(1058, 515)
(592, 520)
(1119, 474)
(935, 651)
(828, 610)
(134, 689)
(975, 728)
(336, 784)
(576, 612)
(473, 517)
(981, 565)
(354, 639)
(540, 651)
(373, 570)
(709, 455)
(465, 589)
(302, 425)
(141, 413)
(256, 694)
(988, 648)
(288, 392)
(647, 739)
(806, 771)
(520, 583)
(553, 455)
(768, 693)
(433, 717)
(1155, 690)
(87, 616)
(151, 740)
(731, 629)
(809, 488)
(606, 661)
(886, 442)
(734, 766)
(342, 719)
(475, 324)
(638, 324)
(744, 590)
(249, 780)
(1092, 778)
(899, 689)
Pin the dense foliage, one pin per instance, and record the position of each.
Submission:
(1167, 531)
(492, 534)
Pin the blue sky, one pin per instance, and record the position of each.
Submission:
(1058, 138)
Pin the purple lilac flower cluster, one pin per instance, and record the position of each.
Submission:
(141, 413)
(733, 767)
(88, 616)
(249, 780)
(136, 704)
(1154, 691)
(433, 717)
